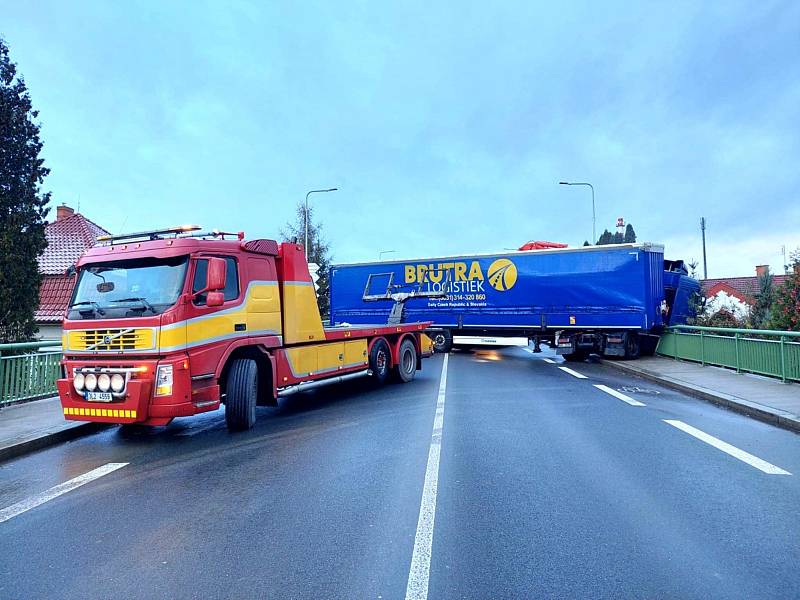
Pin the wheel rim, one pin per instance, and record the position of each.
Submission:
(408, 361)
(380, 361)
(439, 340)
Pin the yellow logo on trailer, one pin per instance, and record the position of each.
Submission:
(502, 274)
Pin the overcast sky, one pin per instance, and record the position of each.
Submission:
(446, 126)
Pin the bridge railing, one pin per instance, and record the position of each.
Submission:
(29, 370)
(762, 351)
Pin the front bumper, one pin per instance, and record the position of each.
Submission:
(132, 408)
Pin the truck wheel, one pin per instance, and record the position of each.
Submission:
(241, 395)
(407, 363)
(379, 358)
(577, 356)
(632, 346)
(442, 341)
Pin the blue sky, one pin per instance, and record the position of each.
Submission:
(446, 126)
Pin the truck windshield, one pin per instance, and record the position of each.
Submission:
(128, 288)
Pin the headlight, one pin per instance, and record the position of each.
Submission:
(164, 380)
(117, 382)
(104, 382)
(90, 381)
(78, 382)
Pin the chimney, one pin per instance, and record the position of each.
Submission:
(63, 211)
(761, 270)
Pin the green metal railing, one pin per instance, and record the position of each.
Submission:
(29, 370)
(762, 351)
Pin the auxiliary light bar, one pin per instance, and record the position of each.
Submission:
(153, 235)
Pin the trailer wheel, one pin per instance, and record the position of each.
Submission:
(241, 395)
(407, 363)
(631, 345)
(577, 356)
(379, 358)
(442, 340)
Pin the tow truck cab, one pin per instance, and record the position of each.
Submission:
(164, 324)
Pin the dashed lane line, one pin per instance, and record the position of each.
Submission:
(573, 373)
(751, 460)
(618, 395)
(54, 492)
(419, 573)
(550, 360)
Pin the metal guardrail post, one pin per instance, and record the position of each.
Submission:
(783, 359)
(702, 349)
(738, 364)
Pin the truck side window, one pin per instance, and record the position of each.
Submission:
(231, 291)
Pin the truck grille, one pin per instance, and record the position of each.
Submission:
(112, 340)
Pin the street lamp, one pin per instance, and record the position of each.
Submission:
(382, 252)
(594, 231)
(305, 216)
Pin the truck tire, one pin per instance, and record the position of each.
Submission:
(632, 345)
(241, 395)
(379, 358)
(577, 356)
(406, 366)
(442, 340)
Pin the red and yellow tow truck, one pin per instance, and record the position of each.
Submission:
(172, 323)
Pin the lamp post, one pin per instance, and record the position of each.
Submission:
(382, 252)
(305, 216)
(594, 220)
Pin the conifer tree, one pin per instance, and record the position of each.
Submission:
(22, 205)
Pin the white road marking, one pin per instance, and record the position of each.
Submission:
(54, 492)
(547, 360)
(619, 395)
(423, 541)
(573, 373)
(751, 460)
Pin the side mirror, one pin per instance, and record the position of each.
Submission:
(215, 275)
(215, 298)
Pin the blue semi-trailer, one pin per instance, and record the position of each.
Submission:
(611, 299)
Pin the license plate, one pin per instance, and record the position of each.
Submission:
(99, 396)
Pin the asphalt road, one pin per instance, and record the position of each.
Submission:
(548, 487)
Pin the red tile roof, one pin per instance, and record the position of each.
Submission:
(54, 296)
(745, 288)
(67, 239)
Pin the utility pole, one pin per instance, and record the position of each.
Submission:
(705, 264)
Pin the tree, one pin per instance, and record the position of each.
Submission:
(786, 308)
(630, 234)
(586, 243)
(618, 238)
(762, 309)
(605, 238)
(318, 252)
(22, 204)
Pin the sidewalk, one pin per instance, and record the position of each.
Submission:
(763, 398)
(33, 425)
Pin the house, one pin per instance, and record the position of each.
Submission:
(735, 295)
(69, 236)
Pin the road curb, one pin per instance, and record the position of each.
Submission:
(50, 439)
(773, 416)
